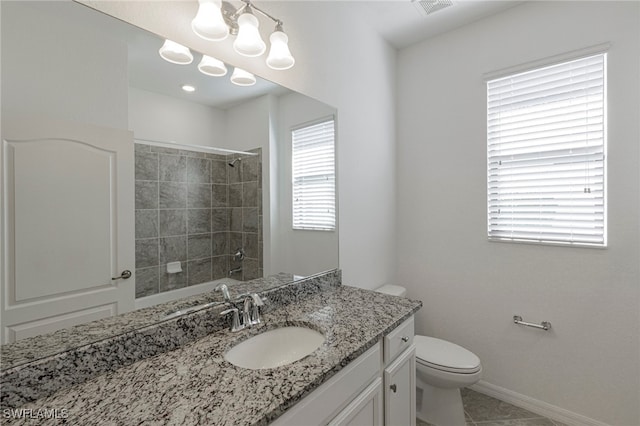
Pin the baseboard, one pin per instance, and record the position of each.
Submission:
(535, 406)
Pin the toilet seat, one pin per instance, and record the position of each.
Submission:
(445, 356)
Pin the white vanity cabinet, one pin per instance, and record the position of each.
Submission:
(378, 388)
(400, 376)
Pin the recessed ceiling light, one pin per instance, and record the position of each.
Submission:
(188, 88)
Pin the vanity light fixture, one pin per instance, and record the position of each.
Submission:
(241, 77)
(175, 53)
(242, 23)
(209, 23)
(212, 66)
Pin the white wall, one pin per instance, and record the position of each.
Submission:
(167, 119)
(344, 63)
(48, 72)
(589, 363)
(303, 252)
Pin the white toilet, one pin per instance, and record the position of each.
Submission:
(442, 368)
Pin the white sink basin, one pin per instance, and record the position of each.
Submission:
(275, 348)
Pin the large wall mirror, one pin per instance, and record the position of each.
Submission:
(194, 216)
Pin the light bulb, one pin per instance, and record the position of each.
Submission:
(209, 23)
(279, 55)
(241, 77)
(212, 66)
(248, 42)
(175, 53)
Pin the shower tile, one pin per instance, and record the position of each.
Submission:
(217, 157)
(146, 281)
(146, 166)
(146, 195)
(139, 147)
(250, 219)
(173, 222)
(173, 249)
(235, 241)
(198, 221)
(250, 194)
(199, 271)
(219, 219)
(234, 174)
(198, 246)
(219, 172)
(173, 195)
(219, 195)
(220, 267)
(146, 224)
(146, 253)
(198, 170)
(250, 169)
(235, 195)
(199, 195)
(220, 244)
(173, 168)
(173, 281)
(235, 219)
(251, 245)
(163, 150)
(250, 269)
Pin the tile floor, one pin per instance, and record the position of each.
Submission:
(483, 410)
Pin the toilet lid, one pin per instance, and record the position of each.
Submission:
(445, 356)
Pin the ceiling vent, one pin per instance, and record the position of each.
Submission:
(427, 7)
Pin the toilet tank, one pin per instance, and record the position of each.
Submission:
(393, 290)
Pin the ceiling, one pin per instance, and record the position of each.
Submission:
(405, 22)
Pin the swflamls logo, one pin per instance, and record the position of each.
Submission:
(40, 413)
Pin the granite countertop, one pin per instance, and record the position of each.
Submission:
(194, 385)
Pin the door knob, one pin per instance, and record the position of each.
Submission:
(125, 275)
(393, 388)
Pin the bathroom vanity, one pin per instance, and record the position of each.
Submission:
(363, 373)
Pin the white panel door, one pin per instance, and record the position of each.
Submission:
(400, 390)
(68, 225)
(365, 410)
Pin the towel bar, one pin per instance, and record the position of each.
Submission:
(544, 325)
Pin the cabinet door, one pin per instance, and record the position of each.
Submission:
(365, 410)
(400, 390)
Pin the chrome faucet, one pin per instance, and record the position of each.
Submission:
(255, 313)
(251, 304)
(225, 292)
(235, 270)
(235, 319)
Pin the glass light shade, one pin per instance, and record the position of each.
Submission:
(248, 42)
(175, 53)
(241, 77)
(212, 66)
(209, 23)
(279, 55)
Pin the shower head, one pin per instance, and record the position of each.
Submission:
(233, 163)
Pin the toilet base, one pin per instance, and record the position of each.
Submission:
(440, 407)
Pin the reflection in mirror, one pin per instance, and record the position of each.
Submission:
(80, 90)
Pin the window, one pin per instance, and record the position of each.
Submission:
(314, 178)
(546, 132)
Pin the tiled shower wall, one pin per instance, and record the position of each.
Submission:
(193, 208)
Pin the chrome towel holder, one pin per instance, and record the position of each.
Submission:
(544, 325)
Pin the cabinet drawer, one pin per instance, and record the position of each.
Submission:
(398, 340)
(334, 395)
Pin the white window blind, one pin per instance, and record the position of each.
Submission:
(314, 179)
(546, 154)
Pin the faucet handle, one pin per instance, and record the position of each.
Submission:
(257, 300)
(225, 292)
(235, 320)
